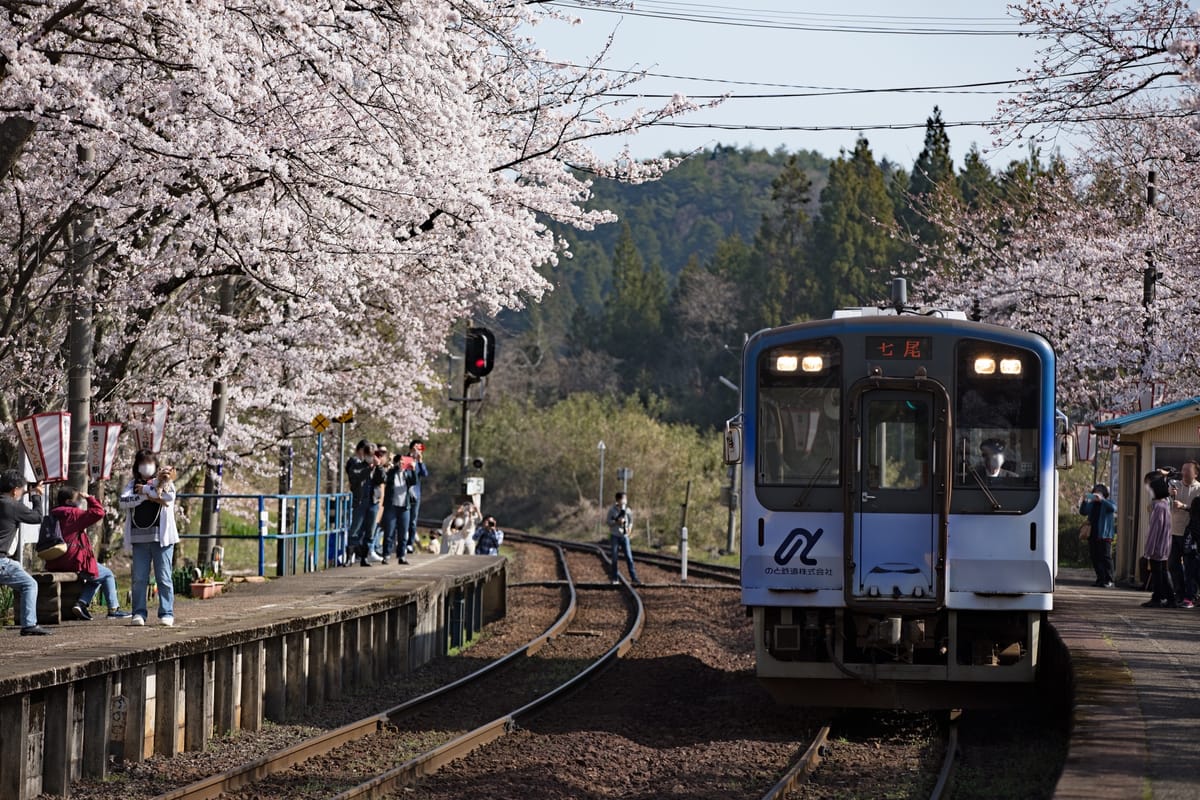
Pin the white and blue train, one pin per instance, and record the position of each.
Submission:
(898, 506)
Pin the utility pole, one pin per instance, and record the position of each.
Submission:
(1150, 275)
(82, 335)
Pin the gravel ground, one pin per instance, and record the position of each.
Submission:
(872, 755)
(680, 717)
(603, 612)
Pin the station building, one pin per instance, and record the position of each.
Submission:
(1165, 436)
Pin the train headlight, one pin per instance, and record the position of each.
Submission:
(985, 365)
(1010, 366)
(812, 364)
(786, 363)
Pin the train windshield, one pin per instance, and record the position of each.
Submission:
(799, 411)
(997, 416)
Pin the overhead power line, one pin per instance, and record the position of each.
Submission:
(1018, 84)
(900, 126)
(775, 20)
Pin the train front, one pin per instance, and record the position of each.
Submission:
(898, 509)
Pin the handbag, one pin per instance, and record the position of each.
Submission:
(1085, 531)
(50, 544)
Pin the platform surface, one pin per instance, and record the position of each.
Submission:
(244, 611)
(1137, 676)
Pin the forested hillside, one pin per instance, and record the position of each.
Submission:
(730, 241)
(651, 312)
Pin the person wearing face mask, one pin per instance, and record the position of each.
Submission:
(1158, 542)
(993, 460)
(75, 513)
(148, 501)
(620, 524)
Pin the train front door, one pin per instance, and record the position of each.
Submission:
(896, 514)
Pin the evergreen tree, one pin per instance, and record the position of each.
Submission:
(782, 286)
(633, 312)
(853, 249)
(976, 183)
(932, 180)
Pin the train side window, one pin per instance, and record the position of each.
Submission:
(799, 414)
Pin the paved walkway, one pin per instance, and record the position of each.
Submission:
(1137, 682)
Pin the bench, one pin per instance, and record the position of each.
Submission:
(57, 591)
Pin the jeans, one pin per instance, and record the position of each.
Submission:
(145, 554)
(395, 521)
(412, 522)
(21, 581)
(619, 542)
(103, 576)
(362, 528)
(1102, 560)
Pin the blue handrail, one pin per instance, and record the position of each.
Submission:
(316, 524)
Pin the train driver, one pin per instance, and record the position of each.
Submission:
(993, 459)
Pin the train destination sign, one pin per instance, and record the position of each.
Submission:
(900, 348)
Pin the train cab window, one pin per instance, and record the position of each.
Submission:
(997, 417)
(799, 414)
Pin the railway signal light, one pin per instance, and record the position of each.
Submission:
(480, 352)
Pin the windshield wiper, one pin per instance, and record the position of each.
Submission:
(991, 497)
(813, 482)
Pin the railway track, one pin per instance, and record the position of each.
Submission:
(257, 773)
(810, 759)
(715, 572)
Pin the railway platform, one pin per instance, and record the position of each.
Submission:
(260, 651)
(1136, 673)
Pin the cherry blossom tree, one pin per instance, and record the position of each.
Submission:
(362, 174)
(1067, 250)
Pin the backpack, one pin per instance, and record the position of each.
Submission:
(50, 544)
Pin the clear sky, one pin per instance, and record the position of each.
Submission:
(810, 44)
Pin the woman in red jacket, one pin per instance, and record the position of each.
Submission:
(75, 513)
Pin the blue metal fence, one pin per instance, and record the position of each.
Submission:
(308, 531)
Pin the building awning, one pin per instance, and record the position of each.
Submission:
(1152, 418)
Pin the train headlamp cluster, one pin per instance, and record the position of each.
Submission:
(790, 362)
(987, 365)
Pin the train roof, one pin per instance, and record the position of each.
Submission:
(937, 321)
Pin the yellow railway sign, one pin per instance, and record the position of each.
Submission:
(320, 423)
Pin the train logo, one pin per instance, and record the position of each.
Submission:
(799, 537)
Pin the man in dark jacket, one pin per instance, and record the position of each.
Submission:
(1100, 512)
(12, 513)
(358, 468)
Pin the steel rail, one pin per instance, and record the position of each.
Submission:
(718, 572)
(946, 774)
(272, 763)
(799, 772)
(431, 761)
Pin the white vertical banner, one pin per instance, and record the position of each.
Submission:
(46, 439)
(102, 449)
(149, 423)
